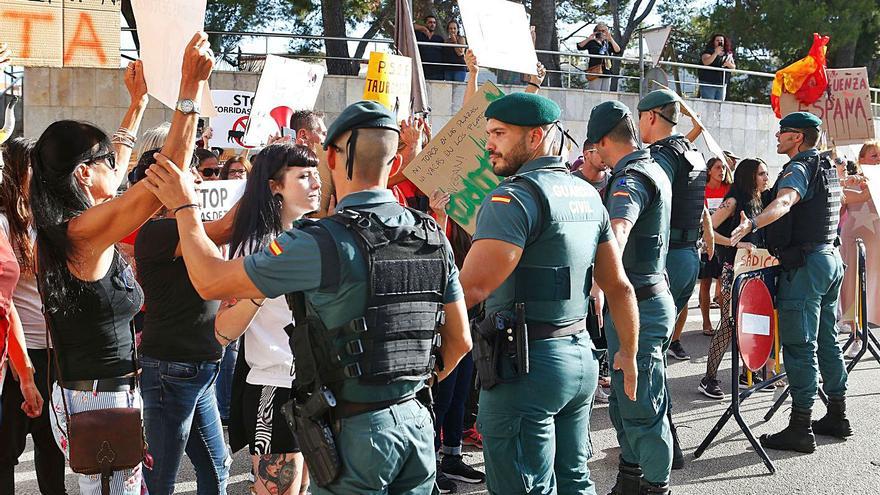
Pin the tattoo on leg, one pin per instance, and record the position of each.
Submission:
(277, 472)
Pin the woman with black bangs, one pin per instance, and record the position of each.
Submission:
(282, 187)
(88, 292)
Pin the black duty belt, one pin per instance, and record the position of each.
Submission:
(118, 384)
(346, 409)
(649, 291)
(542, 331)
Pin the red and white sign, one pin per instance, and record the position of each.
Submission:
(755, 323)
(230, 124)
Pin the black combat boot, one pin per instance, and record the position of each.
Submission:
(835, 423)
(797, 436)
(629, 479)
(652, 489)
(677, 455)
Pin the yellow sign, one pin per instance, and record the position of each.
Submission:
(389, 82)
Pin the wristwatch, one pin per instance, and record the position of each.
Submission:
(754, 225)
(188, 106)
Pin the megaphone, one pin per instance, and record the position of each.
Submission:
(282, 117)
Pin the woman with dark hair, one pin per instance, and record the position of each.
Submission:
(750, 180)
(456, 70)
(209, 164)
(16, 224)
(717, 187)
(89, 294)
(717, 53)
(236, 168)
(282, 187)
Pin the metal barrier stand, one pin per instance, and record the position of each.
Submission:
(736, 399)
(869, 342)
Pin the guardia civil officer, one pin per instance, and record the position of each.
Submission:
(638, 198)
(537, 238)
(377, 282)
(801, 230)
(684, 165)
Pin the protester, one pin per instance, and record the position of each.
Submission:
(16, 424)
(78, 221)
(180, 358)
(744, 197)
(209, 164)
(860, 221)
(236, 168)
(710, 269)
(375, 413)
(453, 56)
(283, 187)
(593, 169)
(532, 86)
(309, 128)
(151, 139)
(431, 55)
(717, 53)
(600, 44)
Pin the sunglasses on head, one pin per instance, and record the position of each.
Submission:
(109, 157)
(210, 172)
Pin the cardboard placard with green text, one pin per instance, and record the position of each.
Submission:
(456, 161)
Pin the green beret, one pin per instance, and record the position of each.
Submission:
(604, 117)
(361, 115)
(657, 98)
(800, 120)
(524, 109)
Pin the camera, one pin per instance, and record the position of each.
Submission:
(851, 168)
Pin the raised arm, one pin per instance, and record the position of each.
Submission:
(105, 224)
(473, 67)
(774, 211)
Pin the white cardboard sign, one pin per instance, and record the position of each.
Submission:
(230, 123)
(216, 197)
(498, 32)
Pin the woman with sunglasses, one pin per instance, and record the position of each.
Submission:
(750, 180)
(209, 164)
(236, 168)
(88, 292)
(283, 186)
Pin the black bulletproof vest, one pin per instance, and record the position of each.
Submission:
(810, 222)
(397, 336)
(688, 189)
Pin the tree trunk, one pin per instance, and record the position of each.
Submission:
(333, 15)
(547, 38)
(382, 17)
(844, 56)
(623, 37)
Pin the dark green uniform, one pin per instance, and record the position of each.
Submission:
(639, 192)
(536, 428)
(390, 450)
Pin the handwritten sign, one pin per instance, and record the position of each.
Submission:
(216, 197)
(749, 262)
(498, 32)
(286, 85)
(43, 33)
(233, 108)
(165, 28)
(389, 82)
(845, 108)
(456, 160)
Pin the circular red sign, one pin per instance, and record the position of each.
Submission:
(755, 323)
(239, 129)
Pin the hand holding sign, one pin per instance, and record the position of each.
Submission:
(198, 60)
(135, 82)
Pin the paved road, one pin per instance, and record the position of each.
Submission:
(729, 466)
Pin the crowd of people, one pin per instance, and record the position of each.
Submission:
(315, 318)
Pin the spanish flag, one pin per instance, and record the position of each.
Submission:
(500, 199)
(275, 248)
(805, 79)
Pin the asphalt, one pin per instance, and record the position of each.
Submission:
(729, 466)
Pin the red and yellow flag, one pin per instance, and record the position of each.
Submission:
(805, 79)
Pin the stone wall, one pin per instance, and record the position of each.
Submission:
(99, 96)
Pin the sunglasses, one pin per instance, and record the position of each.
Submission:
(789, 129)
(109, 158)
(210, 172)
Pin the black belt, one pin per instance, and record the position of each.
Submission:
(345, 409)
(649, 291)
(118, 384)
(542, 331)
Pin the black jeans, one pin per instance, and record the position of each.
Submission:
(15, 426)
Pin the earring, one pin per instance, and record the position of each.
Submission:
(278, 197)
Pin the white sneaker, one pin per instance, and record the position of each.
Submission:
(845, 329)
(601, 396)
(854, 349)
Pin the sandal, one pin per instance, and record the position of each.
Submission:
(708, 332)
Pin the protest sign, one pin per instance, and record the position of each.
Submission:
(55, 34)
(456, 160)
(757, 259)
(230, 123)
(498, 32)
(655, 41)
(286, 85)
(216, 197)
(165, 28)
(845, 108)
(389, 82)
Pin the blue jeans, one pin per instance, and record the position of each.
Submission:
(224, 379)
(711, 92)
(452, 395)
(456, 75)
(180, 414)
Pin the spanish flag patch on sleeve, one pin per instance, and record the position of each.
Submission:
(500, 199)
(275, 248)
(621, 193)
